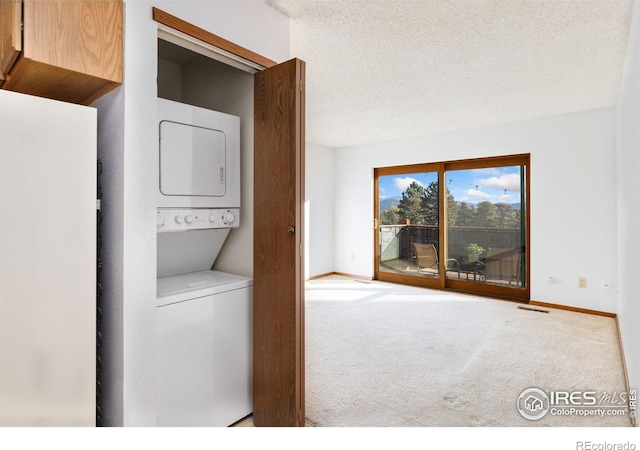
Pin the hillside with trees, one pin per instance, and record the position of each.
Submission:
(419, 205)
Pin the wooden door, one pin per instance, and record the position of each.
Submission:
(278, 294)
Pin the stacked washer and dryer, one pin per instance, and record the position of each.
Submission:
(204, 317)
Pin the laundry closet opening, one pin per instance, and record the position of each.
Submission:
(201, 74)
(204, 235)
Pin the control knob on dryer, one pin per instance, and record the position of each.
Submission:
(188, 219)
(229, 217)
(159, 220)
(178, 218)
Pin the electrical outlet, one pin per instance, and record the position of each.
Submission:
(582, 283)
(606, 286)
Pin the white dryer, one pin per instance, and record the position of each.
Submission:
(199, 157)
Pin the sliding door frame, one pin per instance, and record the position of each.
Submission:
(438, 282)
(442, 282)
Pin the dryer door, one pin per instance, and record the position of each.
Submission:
(192, 160)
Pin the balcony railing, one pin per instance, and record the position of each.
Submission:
(396, 245)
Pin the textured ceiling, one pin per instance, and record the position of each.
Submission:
(380, 70)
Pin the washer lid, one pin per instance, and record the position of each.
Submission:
(187, 286)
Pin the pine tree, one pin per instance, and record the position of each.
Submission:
(466, 214)
(453, 209)
(486, 215)
(507, 216)
(410, 206)
(389, 216)
(430, 202)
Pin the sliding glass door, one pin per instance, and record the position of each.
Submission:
(459, 225)
(408, 225)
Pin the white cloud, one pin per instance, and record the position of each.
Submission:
(478, 195)
(488, 171)
(505, 198)
(510, 182)
(403, 183)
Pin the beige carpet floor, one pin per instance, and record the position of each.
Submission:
(380, 354)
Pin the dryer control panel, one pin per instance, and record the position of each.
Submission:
(197, 219)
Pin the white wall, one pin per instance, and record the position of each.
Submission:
(133, 173)
(573, 198)
(252, 24)
(628, 210)
(319, 210)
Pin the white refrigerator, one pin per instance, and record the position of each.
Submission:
(47, 262)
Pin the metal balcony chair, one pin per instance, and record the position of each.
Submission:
(427, 259)
(503, 264)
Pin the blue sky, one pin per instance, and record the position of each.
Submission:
(496, 184)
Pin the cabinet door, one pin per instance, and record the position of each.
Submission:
(10, 34)
(71, 50)
(278, 275)
(81, 36)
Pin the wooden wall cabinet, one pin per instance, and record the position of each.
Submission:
(64, 50)
(10, 34)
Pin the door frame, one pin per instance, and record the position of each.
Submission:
(211, 43)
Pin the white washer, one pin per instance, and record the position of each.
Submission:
(204, 349)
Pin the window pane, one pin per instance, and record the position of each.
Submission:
(408, 224)
(485, 225)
